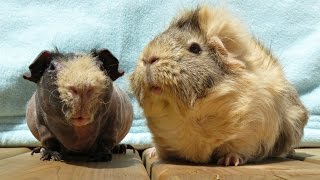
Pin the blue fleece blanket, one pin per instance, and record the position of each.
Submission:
(290, 28)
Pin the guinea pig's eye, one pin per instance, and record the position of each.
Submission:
(195, 48)
(52, 67)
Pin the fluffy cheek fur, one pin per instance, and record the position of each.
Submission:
(173, 76)
(84, 76)
(138, 86)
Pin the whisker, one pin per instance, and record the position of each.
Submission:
(51, 93)
(62, 109)
(106, 104)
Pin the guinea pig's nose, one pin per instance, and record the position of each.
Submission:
(151, 60)
(74, 90)
(84, 91)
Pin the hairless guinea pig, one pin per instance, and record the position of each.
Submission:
(76, 110)
(211, 92)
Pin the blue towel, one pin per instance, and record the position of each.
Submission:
(290, 28)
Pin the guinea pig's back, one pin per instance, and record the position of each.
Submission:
(124, 112)
(31, 116)
(275, 98)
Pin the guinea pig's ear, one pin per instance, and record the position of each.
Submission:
(38, 67)
(229, 60)
(110, 63)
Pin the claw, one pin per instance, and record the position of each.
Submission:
(231, 159)
(47, 155)
(122, 149)
(131, 147)
(36, 150)
(153, 152)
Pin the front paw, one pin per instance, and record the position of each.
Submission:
(122, 148)
(104, 156)
(47, 154)
(153, 152)
(231, 159)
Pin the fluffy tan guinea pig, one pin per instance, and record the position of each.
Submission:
(211, 92)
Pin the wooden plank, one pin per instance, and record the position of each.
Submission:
(276, 168)
(148, 161)
(311, 155)
(25, 166)
(9, 152)
(311, 151)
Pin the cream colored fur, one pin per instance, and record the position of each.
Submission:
(250, 113)
(83, 75)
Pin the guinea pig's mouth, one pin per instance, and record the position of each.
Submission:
(156, 90)
(80, 121)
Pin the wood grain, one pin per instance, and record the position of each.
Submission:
(276, 168)
(25, 166)
(9, 152)
(311, 155)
